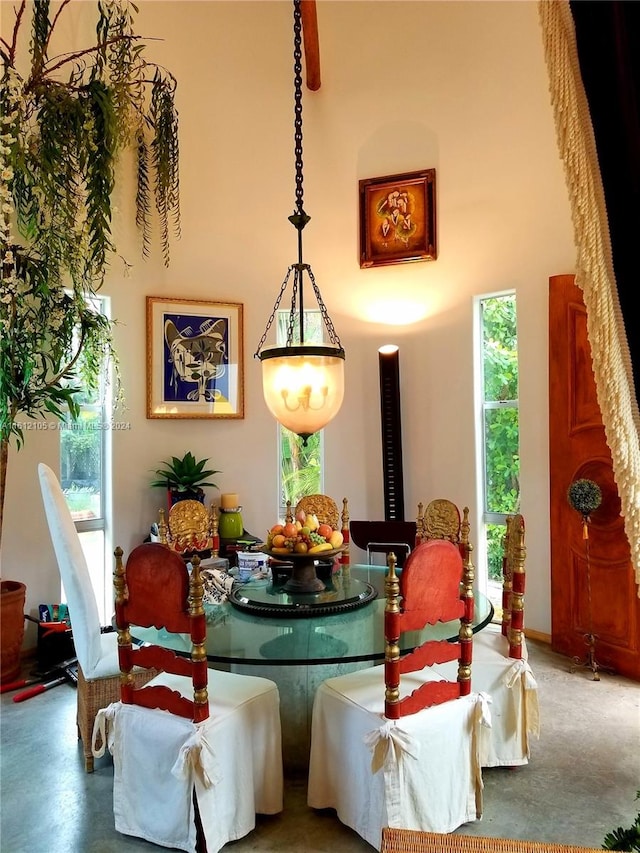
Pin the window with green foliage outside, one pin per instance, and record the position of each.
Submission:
(83, 477)
(82, 450)
(301, 468)
(81, 461)
(501, 435)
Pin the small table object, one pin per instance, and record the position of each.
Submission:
(340, 592)
(303, 576)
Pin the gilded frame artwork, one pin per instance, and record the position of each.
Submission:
(195, 359)
(398, 219)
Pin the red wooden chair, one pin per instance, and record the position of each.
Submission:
(513, 586)
(501, 668)
(427, 592)
(197, 753)
(397, 744)
(156, 589)
(442, 520)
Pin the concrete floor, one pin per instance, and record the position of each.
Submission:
(580, 784)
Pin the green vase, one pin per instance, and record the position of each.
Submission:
(230, 524)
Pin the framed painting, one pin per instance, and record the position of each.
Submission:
(195, 363)
(398, 219)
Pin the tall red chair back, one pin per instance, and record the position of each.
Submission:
(513, 584)
(442, 520)
(156, 589)
(428, 591)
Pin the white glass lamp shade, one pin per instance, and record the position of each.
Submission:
(303, 385)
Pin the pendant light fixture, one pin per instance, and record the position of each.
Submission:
(303, 383)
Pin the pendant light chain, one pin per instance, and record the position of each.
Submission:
(302, 382)
(265, 334)
(333, 335)
(300, 218)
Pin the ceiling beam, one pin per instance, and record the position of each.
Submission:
(311, 43)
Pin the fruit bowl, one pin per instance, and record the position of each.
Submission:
(303, 577)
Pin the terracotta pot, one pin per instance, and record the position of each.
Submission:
(12, 598)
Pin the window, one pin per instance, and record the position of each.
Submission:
(300, 468)
(85, 446)
(498, 430)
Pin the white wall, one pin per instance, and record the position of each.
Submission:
(458, 86)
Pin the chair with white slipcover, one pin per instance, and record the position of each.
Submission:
(97, 653)
(197, 752)
(397, 744)
(500, 667)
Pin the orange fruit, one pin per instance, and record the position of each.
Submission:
(325, 530)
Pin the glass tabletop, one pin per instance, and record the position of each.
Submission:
(341, 591)
(235, 636)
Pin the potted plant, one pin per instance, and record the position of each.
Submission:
(64, 119)
(624, 838)
(184, 478)
(63, 123)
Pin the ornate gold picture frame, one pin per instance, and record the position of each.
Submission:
(398, 218)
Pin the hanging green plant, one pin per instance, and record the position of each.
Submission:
(584, 496)
(63, 123)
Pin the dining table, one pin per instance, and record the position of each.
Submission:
(299, 640)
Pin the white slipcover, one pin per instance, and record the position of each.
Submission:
(510, 682)
(513, 690)
(97, 653)
(427, 765)
(233, 760)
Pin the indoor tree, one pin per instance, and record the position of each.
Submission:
(63, 122)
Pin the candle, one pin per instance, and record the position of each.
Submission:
(229, 501)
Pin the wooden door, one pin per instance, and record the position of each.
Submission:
(578, 449)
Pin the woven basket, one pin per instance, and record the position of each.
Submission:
(413, 841)
(97, 694)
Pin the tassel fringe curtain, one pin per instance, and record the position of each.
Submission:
(597, 208)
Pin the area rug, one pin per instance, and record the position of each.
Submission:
(412, 841)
